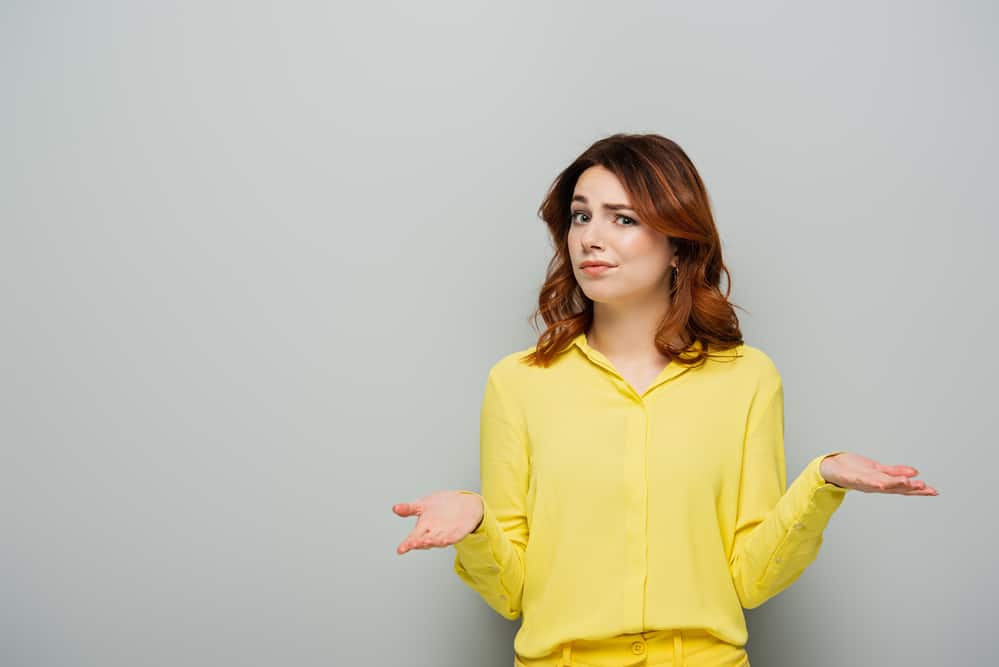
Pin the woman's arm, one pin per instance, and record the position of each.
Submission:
(490, 559)
(778, 530)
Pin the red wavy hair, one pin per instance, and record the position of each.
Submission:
(668, 195)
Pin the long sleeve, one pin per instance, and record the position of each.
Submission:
(490, 559)
(778, 533)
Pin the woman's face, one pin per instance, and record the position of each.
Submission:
(604, 228)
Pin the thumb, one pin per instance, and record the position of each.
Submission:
(902, 470)
(406, 509)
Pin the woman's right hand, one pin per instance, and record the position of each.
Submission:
(445, 517)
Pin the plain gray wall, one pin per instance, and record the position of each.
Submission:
(258, 258)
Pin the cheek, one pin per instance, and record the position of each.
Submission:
(647, 260)
(647, 248)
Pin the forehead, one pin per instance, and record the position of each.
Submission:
(599, 183)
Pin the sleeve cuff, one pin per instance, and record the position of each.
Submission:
(809, 502)
(814, 472)
(480, 528)
(477, 551)
(814, 498)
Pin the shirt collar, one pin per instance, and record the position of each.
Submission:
(671, 370)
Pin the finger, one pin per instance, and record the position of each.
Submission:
(910, 487)
(414, 538)
(896, 484)
(407, 544)
(923, 490)
(407, 509)
(434, 539)
(410, 544)
(418, 536)
(919, 492)
(882, 483)
(907, 471)
(428, 540)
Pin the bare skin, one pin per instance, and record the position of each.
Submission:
(630, 300)
(443, 518)
(853, 471)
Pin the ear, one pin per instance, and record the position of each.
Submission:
(672, 247)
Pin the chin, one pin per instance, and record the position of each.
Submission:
(601, 296)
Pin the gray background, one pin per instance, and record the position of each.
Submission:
(257, 259)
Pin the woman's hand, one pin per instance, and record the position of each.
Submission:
(445, 518)
(853, 471)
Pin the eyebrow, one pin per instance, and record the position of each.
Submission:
(609, 207)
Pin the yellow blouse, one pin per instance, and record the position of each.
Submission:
(609, 512)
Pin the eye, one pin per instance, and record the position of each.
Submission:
(629, 222)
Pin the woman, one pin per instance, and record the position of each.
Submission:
(634, 497)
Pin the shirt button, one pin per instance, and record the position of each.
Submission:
(776, 560)
(799, 526)
(638, 648)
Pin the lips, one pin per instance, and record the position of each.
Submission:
(596, 269)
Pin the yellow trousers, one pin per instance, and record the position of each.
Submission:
(658, 648)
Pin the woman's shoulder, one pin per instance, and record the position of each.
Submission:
(513, 363)
(755, 356)
(744, 361)
(756, 362)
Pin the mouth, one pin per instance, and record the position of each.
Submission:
(597, 269)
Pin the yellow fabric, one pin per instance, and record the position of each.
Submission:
(608, 512)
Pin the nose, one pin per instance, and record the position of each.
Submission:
(590, 238)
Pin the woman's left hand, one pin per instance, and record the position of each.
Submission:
(853, 471)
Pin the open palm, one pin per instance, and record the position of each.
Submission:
(443, 518)
(853, 471)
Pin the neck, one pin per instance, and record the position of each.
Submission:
(628, 333)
